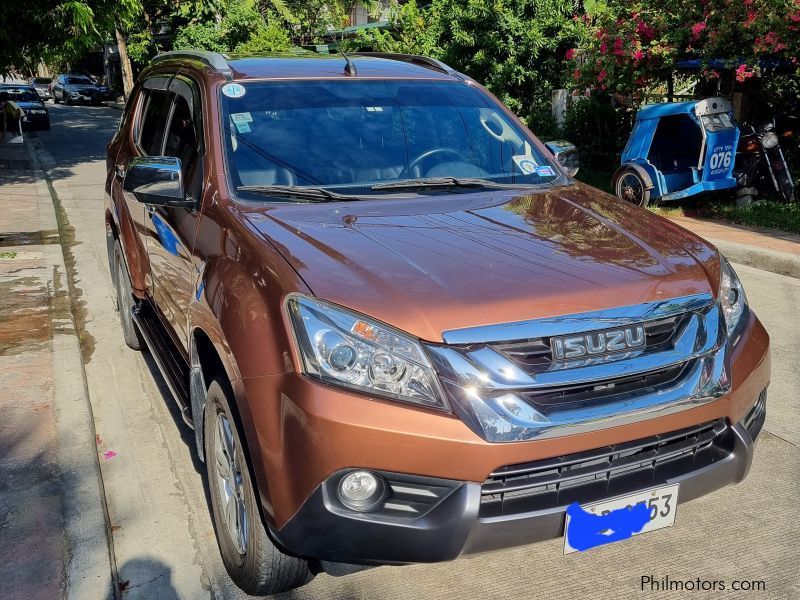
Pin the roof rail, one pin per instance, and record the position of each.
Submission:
(215, 60)
(414, 59)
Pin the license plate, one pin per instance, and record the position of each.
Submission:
(662, 503)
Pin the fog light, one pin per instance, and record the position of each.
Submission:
(361, 490)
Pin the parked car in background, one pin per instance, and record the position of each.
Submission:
(400, 331)
(77, 88)
(42, 86)
(25, 96)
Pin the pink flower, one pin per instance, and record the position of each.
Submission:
(698, 28)
(601, 76)
(645, 30)
(751, 18)
(743, 73)
(638, 55)
(109, 454)
(618, 47)
(603, 48)
(570, 54)
(576, 74)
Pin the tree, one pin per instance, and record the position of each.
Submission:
(515, 47)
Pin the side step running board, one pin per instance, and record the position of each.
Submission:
(171, 364)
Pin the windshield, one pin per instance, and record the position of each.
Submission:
(22, 94)
(41, 80)
(79, 81)
(353, 136)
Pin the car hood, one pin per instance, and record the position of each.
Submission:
(432, 264)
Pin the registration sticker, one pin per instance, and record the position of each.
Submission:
(243, 127)
(544, 171)
(526, 163)
(233, 90)
(243, 117)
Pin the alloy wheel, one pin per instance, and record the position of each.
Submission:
(230, 488)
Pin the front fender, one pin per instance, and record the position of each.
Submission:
(238, 305)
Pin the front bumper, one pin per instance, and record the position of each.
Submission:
(313, 432)
(459, 523)
(35, 121)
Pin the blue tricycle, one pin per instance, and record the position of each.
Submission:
(677, 150)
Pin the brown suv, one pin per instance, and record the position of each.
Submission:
(400, 330)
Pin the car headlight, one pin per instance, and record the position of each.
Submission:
(348, 349)
(770, 140)
(731, 296)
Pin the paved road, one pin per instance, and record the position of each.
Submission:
(163, 538)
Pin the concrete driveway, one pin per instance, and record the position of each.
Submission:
(164, 543)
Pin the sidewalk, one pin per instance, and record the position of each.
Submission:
(53, 533)
(760, 248)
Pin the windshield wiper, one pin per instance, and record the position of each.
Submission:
(446, 182)
(314, 194)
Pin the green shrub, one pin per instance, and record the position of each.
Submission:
(599, 130)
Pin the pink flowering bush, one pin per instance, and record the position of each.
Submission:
(638, 42)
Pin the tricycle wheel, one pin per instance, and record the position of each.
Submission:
(630, 187)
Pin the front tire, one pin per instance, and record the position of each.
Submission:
(631, 187)
(253, 562)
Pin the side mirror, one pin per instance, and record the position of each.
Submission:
(156, 181)
(566, 154)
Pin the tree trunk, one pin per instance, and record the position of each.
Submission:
(125, 64)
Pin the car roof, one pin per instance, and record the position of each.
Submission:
(331, 65)
(309, 65)
(17, 86)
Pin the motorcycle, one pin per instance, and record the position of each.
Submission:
(760, 163)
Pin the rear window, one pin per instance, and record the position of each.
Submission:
(41, 80)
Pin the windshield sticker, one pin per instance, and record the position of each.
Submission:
(242, 127)
(374, 108)
(545, 171)
(526, 163)
(245, 117)
(233, 90)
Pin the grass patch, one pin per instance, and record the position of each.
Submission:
(770, 215)
(774, 215)
(8, 255)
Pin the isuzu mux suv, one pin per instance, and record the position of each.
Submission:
(400, 330)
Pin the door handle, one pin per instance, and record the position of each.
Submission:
(120, 171)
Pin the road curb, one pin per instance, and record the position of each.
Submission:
(90, 568)
(782, 263)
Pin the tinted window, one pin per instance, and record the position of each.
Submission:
(181, 139)
(22, 94)
(41, 80)
(154, 121)
(79, 81)
(354, 134)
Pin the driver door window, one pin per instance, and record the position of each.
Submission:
(154, 122)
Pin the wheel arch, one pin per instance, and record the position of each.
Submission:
(639, 169)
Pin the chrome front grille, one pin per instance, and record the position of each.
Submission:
(503, 382)
(536, 354)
